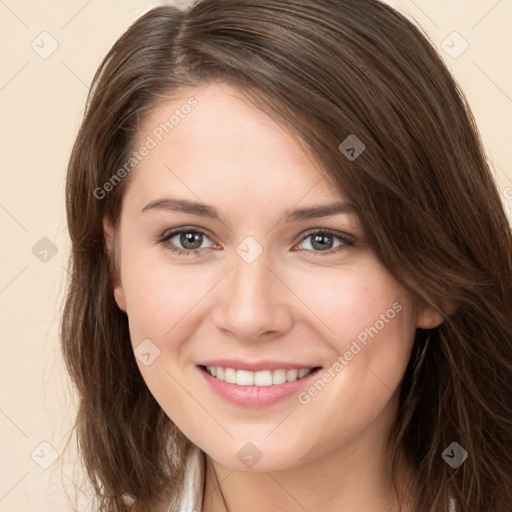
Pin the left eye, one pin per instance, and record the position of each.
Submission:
(324, 240)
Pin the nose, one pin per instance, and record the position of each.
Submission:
(253, 302)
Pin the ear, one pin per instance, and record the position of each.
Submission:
(428, 317)
(115, 276)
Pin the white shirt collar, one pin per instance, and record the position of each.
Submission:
(193, 483)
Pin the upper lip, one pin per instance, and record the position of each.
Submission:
(256, 366)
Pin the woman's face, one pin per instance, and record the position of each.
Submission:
(257, 280)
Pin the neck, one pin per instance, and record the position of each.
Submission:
(356, 476)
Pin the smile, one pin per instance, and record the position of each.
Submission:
(260, 388)
(260, 378)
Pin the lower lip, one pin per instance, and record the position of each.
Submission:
(255, 396)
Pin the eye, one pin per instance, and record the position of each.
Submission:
(191, 240)
(322, 242)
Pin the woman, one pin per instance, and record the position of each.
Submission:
(291, 269)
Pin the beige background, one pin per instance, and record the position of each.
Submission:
(41, 103)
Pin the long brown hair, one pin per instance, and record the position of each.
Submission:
(324, 69)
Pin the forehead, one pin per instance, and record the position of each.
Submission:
(212, 142)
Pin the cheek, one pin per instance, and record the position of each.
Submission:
(163, 299)
(370, 331)
(367, 320)
(352, 303)
(160, 308)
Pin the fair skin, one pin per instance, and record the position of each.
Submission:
(292, 303)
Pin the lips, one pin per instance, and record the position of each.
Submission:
(264, 390)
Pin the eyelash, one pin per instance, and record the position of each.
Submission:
(348, 241)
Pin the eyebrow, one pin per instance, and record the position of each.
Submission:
(204, 210)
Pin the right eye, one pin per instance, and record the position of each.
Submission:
(190, 238)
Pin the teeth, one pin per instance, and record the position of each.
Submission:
(230, 375)
(278, 376)
(244, 378)
(262, 378)
(302, 373)
(291, 375)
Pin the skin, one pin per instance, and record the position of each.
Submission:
(293, 303)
